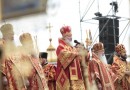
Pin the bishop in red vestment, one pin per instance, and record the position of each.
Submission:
(121, 68)
(68, 72)
(99, 71)
(36, 77)
(8, 49)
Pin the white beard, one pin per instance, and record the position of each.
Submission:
(103, 58)
(69, 42)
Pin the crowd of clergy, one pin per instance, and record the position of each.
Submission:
(78, 67)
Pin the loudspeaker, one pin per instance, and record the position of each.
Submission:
(109, 35)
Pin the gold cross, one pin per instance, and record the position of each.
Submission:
(49, 27)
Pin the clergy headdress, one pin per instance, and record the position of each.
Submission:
(25, 37)
(98, 47)
(6, 29)
(43, 55)
(120, 48)
(65, 31)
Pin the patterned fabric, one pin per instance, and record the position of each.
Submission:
(62, 81)
(119, 67)
(50, 73)
(100, 72)
(68, 68)
(33, 81)
(67, 54)
(77, 85)
(17, 75)
(11, 76)
(40, 74)
(8, 63)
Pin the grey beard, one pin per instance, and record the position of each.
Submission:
(103, 59)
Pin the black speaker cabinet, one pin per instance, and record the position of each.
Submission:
(109, 35)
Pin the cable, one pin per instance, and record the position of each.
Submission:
(104, 27)
(100, 31)
(126, 33)
(111, 54)
(87, 10)
(87, 7)
(109, 18)
(95, 33)
(107, 13)
(124, 28)
(105, 24)
(120, 2)
(114, 33)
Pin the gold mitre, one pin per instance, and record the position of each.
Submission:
(7, 28)
(98, 47)
(25, 37)
(120, 48)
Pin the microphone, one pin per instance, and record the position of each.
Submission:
(75, 41)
